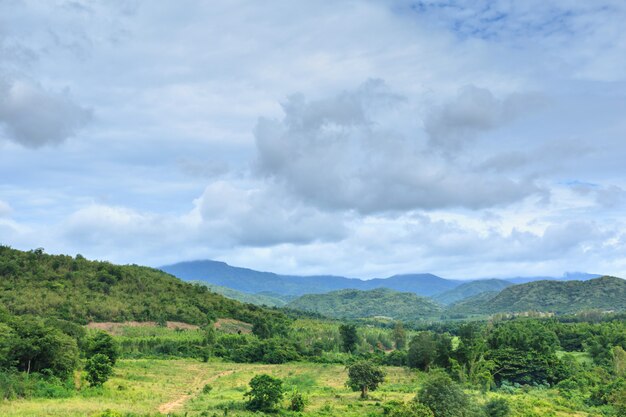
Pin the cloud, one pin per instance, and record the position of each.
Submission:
(260, 214)
(34, 117)
(474, 110)
(335, 153)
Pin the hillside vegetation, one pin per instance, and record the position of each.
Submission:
(470, 289)
(259, 299)
(75, 289)
(362, 304)
(605, 293)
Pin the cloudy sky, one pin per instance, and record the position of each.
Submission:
(365, 138)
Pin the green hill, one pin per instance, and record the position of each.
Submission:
(75, 289)
(470, 289)
(605, 293)
(257, 299)
(371, 303)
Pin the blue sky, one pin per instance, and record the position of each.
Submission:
(364, 138)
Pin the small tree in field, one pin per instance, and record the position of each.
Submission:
(265, 393)
(364, 376)
(99, 369)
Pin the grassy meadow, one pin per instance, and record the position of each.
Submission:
(175, 387)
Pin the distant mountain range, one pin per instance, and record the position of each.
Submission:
(428, 285)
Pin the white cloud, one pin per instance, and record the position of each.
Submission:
(34, 117)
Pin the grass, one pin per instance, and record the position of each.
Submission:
(144, 387)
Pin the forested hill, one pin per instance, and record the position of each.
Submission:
(363, 304)
(470, 289)
(75, 289)
(605, 293)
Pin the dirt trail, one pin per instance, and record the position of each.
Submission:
(197, 385)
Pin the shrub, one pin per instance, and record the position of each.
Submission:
(99, 369)
(297, 402)
(265, 393)
(207, 389)
(443, 396)
(498, 407)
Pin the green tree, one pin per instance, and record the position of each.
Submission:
(102, 343)
(364, 376)
(399, 335)
(349, 337)
(422, 351)
(265, 393)
(443, 396)
(99, 368)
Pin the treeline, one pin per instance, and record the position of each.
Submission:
(38, 357)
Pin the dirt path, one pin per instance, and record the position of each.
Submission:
(197, 385)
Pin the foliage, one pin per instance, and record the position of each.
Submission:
(102, 343)
(408, 409)
(427, 349)
(297, 402)
(364, 376)
(78, 290)
(265, 393)
(349, 337)
(498, 407)
(99, 368)
(399, 335)
(443, 396)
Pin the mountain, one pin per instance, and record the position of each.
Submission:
(354, 304)
(79, 290)
(605, 293)
(470, 289)
(260, 299)
(251, 281)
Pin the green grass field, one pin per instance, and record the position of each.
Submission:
(174, 387)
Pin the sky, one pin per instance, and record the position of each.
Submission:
(361, 138)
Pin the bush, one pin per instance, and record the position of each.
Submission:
(207, 389)
(99, 369)
(265, 393)
(498, 407)
(103, 343)
(443, 396)
(297, 402)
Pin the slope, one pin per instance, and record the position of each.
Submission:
(361, 304)
(75, 289)
(605, 293)
(470, 289)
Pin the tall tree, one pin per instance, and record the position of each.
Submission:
(364, 376)
(349, 337)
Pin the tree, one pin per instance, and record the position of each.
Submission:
(104, 344)
(399, 335)
(423, 351)
(265, 393)
(443, 396)
(364, 376)
(99, 369)
(349, 337)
